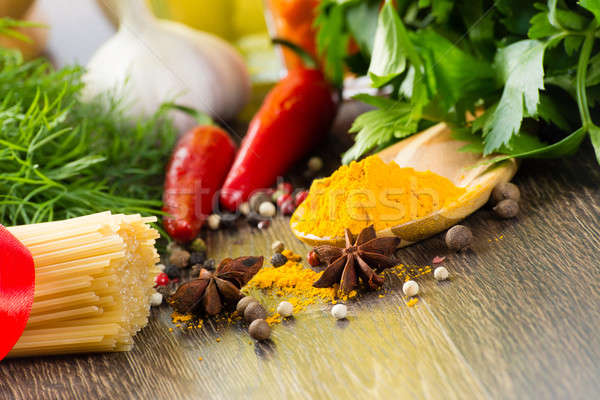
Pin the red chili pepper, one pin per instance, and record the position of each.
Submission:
(17, 279)
(197, 169)
(296, 114)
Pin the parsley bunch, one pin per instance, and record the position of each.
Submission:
(532, 68)
(62, 157)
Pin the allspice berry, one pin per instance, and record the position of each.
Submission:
(458, 237)
(254, 311)
(259, 329)
(180, 258)
(244, 303)
(505, 190)
(507, 209)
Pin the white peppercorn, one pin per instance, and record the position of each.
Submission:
(214, 221)
(440, 273)
(339, 311)
(277, 246)
(156, 299)
(410, 288)
(267, 209)
(285, 309)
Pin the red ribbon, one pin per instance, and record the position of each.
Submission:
(17, 281)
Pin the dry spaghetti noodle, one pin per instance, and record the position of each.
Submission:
(93, 280)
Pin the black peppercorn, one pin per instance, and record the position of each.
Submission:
(197, 257)
(209, 264)
(172, 272)
(278, 260)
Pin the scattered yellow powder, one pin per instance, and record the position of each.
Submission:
(372, 192)
(176, 317)
(290, 255)
(185, 321)
(292, 282)
(412, 302)
(409, 272)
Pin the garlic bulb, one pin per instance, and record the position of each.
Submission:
(149, 61)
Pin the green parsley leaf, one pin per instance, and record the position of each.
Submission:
(520, 67)
(593, 6)
(565, 147)
(379, 128)
(456, 73)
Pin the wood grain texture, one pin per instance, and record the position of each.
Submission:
(519, 319)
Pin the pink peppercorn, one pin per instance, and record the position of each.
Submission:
(285, 187)
(288, 207)
(283, 198)
(161, 279)
(301, 196)
(313, 259)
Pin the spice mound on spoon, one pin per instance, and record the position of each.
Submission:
(412, 189)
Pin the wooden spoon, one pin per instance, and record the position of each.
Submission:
(435, 150)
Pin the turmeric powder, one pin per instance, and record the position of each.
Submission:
(371, 192)
(292, 282)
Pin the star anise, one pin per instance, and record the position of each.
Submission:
(211, 292)
(362, 259)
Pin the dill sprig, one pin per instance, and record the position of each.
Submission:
(62, 157)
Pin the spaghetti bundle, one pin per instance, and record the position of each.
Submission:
(93, 279)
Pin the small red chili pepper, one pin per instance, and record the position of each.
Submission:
(295, 115)
(17, 279)
(197, 169)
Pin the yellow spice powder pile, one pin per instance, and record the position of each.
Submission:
(291, 282)
(372, 192)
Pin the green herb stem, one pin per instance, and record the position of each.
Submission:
(584, 57)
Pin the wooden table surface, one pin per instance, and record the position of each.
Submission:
(519, 319)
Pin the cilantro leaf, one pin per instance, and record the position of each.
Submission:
(520, 67)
